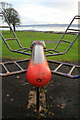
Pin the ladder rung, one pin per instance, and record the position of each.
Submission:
(18, 65)
(20, 49)
(71, 70)
(66, 41)
(74, 29)
(4, 27)
(58, 67)
(77, 17)
(11, 39)
(1, 14)
(5, 68)
(56, 51)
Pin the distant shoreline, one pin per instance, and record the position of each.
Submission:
(59, 32)
(54, 32)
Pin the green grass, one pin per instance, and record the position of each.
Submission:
(26, 38)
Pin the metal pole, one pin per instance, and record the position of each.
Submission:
(37, 99)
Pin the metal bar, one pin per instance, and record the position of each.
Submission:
(5, 68)
(56, 51)
(74, 29)
(14, 61)
(66, 41)
(63, 74)
(27, 49)
(18, 65)
(12, 73)
(77, 17)
(1, 15)
(58, 67)
(66, 75)
(49, 51)
(10, 39)
(71, 70)
(68, 64)
(21, 52)
(21, 49)
(55, 54)
(22, 60)
(4, 27)
(37, 99)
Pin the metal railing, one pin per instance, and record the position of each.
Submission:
(20, 68)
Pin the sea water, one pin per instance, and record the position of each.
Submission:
(44, 27)
(51, 27)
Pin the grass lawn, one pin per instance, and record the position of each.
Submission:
(26, 38)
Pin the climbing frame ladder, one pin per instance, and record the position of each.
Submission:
(69, 30)
(21, 49)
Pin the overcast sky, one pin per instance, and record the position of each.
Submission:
(45, 11)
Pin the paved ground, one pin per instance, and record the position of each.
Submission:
(60, 95)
